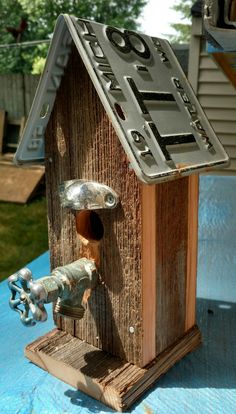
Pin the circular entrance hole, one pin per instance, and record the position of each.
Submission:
(89, 225)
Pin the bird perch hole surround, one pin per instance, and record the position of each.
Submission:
(89, 225)
(90, 232)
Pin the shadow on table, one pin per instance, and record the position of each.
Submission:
(81, 400)
(213, 364)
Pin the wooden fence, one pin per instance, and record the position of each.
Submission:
(16, 94)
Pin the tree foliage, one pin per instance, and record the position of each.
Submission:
(183, 30)
(41, 16)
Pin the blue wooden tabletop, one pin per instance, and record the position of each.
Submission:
(204, 382)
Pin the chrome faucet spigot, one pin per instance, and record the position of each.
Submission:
(66, 286)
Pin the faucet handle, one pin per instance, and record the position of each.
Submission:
(67, 286)
(22, 299)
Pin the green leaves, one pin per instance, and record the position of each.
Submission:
(41, 17)
(183, 30)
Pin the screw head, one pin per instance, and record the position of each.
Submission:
(110, 200)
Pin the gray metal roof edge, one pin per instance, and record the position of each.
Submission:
(31, 146)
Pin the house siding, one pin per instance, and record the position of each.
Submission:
(216, 94)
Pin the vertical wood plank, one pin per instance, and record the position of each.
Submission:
(149, 268)
(171, 250)
(30, 86)
(2, 127)
(16, 84)
(191, 275)
(16, 94)
(81, 143)
(11, 95)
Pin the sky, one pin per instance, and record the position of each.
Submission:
(157, 16)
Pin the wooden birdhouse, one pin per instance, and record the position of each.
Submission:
(123, 138)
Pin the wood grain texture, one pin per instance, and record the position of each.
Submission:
(30, 86)
(2, 127)
(104, 377)
(139, 307)
(191, 275)
(16, 93)
(12, 95)
(149, 270)
(81, 143)
(171, 252)
(17, 185)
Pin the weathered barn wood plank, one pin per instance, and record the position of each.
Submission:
(149, 271)
(133, 312)
(108, 379)
(171, 251)
(12, 95)
(83, 144)
(2, 127)
(30, 86)
(192, 252)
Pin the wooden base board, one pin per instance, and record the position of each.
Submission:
(104, 377)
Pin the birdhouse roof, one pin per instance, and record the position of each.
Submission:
(145, 93)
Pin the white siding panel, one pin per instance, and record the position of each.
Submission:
(232, 166)
(212, 75)
(231, 150)
(217, 89)
(222, 127)
(223, 101)
(227, 140)
(218, 99)
(219, 114)
(206, 63)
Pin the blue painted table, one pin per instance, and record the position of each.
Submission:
(203, 382)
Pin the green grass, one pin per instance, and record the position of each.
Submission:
(23, 234)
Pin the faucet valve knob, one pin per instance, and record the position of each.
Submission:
(22, 299)
(67, 286)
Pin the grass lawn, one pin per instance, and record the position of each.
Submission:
(23, 234)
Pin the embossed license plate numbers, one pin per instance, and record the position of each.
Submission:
(154, 110)
(146, 95)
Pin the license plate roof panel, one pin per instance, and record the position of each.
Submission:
(152, 107)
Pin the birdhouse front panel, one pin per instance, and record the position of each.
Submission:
(141, 251)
